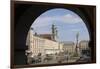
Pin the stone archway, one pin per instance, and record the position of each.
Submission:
(26, 13)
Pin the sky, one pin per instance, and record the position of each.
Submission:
(67, 22)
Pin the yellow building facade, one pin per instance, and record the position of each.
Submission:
(69, 47)
(83, 45)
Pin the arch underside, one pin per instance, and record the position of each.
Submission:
(25, 15)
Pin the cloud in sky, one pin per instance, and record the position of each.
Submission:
(48, 20)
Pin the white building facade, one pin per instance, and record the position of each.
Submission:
(41, 45)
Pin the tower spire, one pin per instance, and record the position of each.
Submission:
(54, 32)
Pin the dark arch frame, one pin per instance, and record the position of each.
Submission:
(23, 15)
